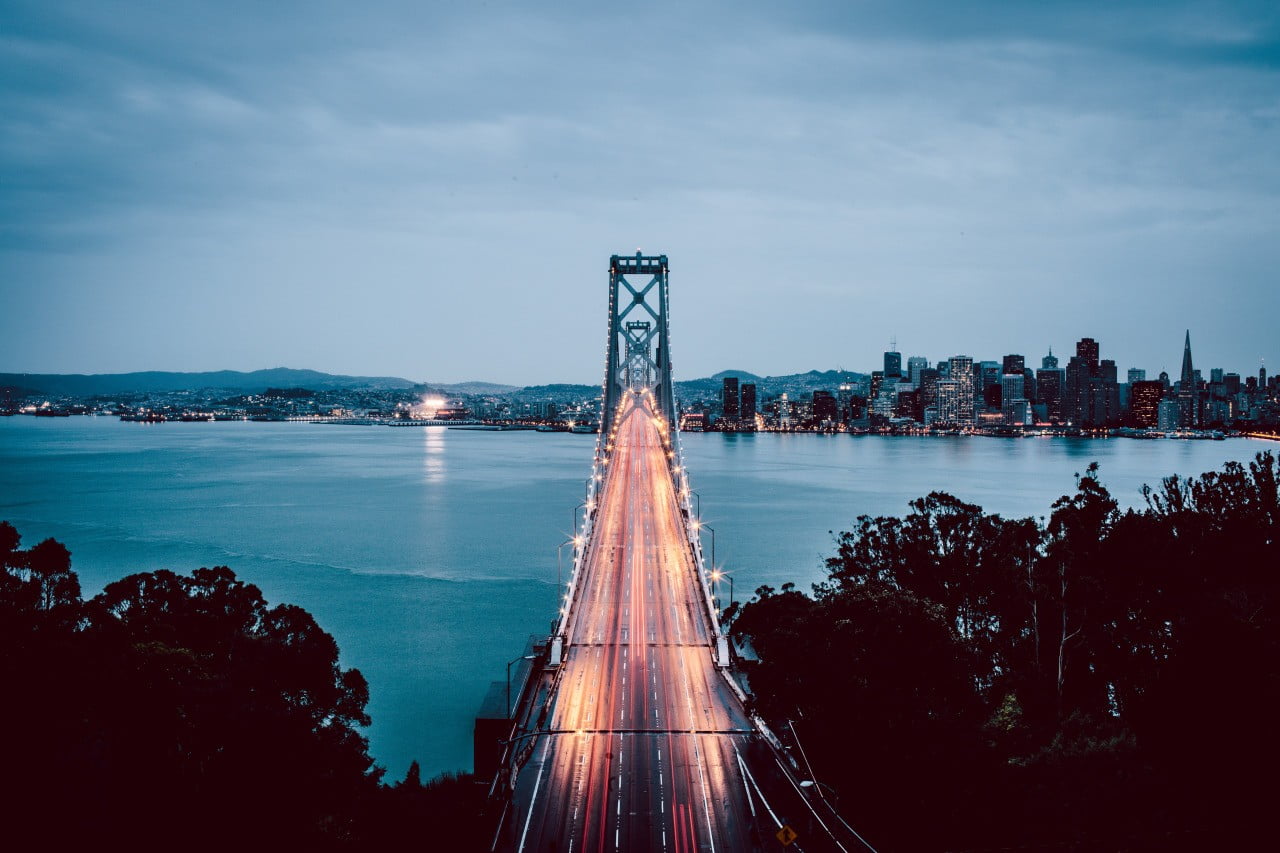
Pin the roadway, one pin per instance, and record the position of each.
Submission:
(646, 742)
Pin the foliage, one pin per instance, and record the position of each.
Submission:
(185, 711)
(1078, 681)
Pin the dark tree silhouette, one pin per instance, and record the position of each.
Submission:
(180, 711)
(1102, 681)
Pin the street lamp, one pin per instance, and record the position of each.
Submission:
(576, 542)
(717, 575)
(698, 524)
(509, 663)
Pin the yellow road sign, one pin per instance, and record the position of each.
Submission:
(786, 835)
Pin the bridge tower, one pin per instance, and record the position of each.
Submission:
(631, 360)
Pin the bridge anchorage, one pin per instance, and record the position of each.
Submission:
(630, 729)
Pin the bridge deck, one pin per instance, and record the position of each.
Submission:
(644, 733)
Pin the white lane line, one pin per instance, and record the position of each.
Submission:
(534, 799)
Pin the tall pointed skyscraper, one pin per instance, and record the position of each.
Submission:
(1188, 374)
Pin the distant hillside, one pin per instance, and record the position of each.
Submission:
(560, 392)
(814, 380)
(82, 385)
(742, 375)
(479, 388)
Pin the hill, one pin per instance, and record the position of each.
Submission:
(793, 383)
(86, 385)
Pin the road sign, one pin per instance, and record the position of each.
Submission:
(786, 835)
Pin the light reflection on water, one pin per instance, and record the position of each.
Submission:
(433, 456)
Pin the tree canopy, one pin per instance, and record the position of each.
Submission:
(183, 711)
(1101, 680)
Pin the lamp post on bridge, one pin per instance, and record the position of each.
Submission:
(718, 575)
(697, 499)
(509, 663)
(699, 525)
(576, 542)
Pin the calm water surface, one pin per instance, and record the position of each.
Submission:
(430, 554)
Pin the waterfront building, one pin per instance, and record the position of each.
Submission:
(747, 409)
(1144, 403)
(949, 402)
(1017, 412)
(824, 408)
(1012, 386)
(928, 388)
(844, 399)
(1167, 415)
(961, 373)
(731, 401)
(1050, 385)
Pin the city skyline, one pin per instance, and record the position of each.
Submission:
(404, 189)
(833, 365)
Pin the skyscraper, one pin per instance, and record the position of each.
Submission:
(988, 374)
(730, 406)
(892, 364)
(1137, 374)
(1189, 403)
(949, 402)
(1144, 406)
(961, 371)
(1188, 373)
(915, 366)
(1050, 361)
(748, 408)
(1049, 387)
(1013, 364)
(824, 407)
(1092, 395)
(1012, 386)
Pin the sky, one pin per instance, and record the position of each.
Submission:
(432, 190)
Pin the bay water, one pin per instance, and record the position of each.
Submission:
(430, 554)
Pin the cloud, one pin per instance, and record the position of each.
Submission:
(852, 168)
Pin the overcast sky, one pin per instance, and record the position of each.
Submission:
(433, 190)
